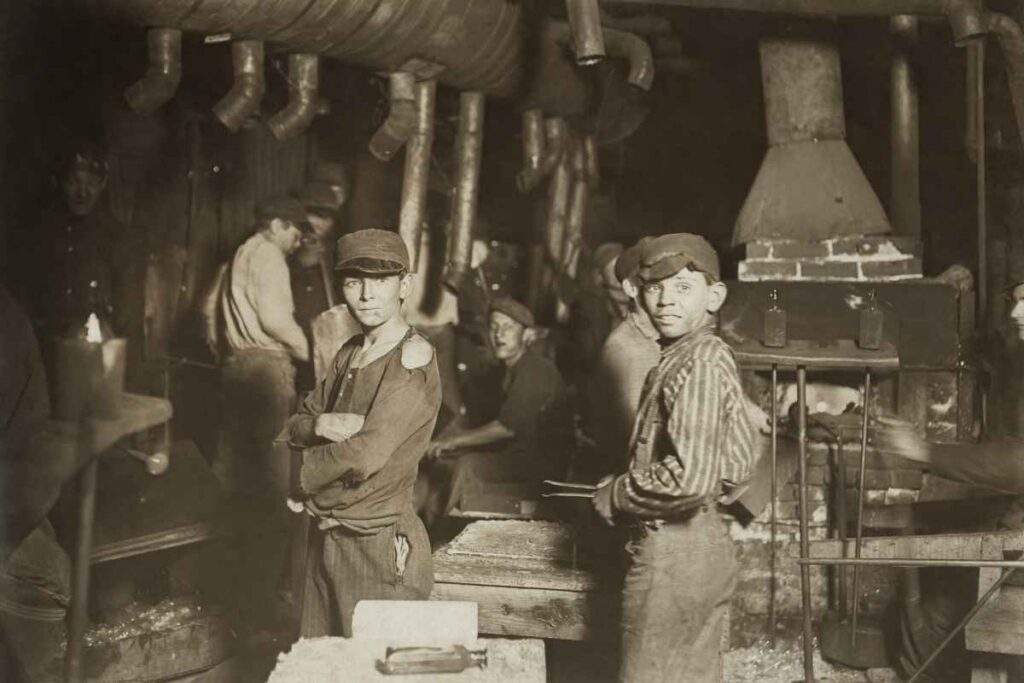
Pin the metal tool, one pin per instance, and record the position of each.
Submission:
(860, 501)
(805, 546)
(156, 463)
(574, 490)
(430, 660)
(775, 497)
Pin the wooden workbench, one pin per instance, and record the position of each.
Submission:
(530, 579)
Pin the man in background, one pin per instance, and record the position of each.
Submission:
(258, 394)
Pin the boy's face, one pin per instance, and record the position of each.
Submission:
(374, 299)
(681, 303)
(508, 336)
(82, 190)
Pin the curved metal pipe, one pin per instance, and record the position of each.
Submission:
(533, 150)
(158, 84)
(587, 37)
(303, 80)
(636, 50)
(401, 121)
(417, 170)
(468, 153)
(243, 100)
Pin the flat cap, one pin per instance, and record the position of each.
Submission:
(372, 251)
(320, 195)
(666, 255)
(513, 309)
(628, 263)
(285, 208)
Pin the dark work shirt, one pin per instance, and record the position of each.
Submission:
(534, 406)
(365, 482)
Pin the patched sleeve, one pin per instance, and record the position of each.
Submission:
(407, 399)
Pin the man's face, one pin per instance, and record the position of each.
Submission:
(1017, 309)
(508, 336)
(681, 303)
(82, 190)
(374, 299)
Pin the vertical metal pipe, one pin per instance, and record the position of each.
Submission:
(417, 170)
(860, 501)
(978, 47)
(905, 181)
(533, 150)
(587, 36)
(468, 150)
(841, 523)
(80, 584)
(555, 226)
(575, 218)
(805, 546)
(775, 497)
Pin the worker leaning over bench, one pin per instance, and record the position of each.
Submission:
(363, 431)
(693, 433)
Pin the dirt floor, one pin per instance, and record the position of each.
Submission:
(761, 664)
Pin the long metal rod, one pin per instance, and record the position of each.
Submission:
(417, 171)
(775, 498)
(860, 501)
(960, 626)
(841, 522)
(805, 546)
(912, 562)
(978, 46)
(80, 586)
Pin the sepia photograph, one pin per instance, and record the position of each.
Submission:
(512, 341)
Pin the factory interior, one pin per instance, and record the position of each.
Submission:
(702, 325)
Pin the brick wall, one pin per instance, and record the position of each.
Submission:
(863, 258)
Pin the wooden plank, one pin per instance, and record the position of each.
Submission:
(539, 540)
(972, 546)
(172, 538)
(539, 613)
(517, 574)
(843, 354)
(996, 628)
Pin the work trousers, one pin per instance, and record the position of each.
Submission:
(675, 600)
(343, 568)
(258, 396)
(35, 591)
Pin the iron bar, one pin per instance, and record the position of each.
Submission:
(960, 626)
(905, 174)
(775, 498)
(978, 63)
(417, 171)
(841, 522)
(805, 548)
(911, 562)
(860, 501)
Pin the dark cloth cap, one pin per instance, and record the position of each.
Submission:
(666, 255)
(319, 195)
(285, 208)
(372, 251)
(88, 157)
(513, 309)
(628, 262)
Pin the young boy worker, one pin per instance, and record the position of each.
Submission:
(692, 433)
(363, 431)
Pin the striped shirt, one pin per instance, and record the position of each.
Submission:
(692, 430)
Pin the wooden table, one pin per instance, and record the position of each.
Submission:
(530, 579)
(90, 438)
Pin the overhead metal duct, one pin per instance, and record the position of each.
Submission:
(303, 81)
(809, 186)
(158, 85)
(466, 44)
(587, 37)
(468, 154)
(417, 170)
(243, 100)
(401, 120)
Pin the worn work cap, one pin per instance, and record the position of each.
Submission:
(628, 263)
(513, 309)
(666, 255)
(373, 252)
(285, 208)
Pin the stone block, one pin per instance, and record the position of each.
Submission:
(759, 250)
(794, 249)
(891, 270)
